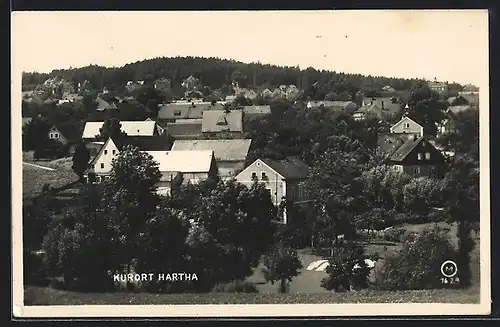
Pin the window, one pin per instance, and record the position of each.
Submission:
(114, 151)
(301, 191)
(270, 192)
(419, 156)
(102, 165)
(56, 135)
(407, 125)
(254, 175)
(263, 175)
(105, 151)
(93, 166)
(137, 131)
(417, 170)
(51, 135)
(427, 155)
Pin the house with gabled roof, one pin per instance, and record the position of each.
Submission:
(368, 110)
(416, 157)
(131, 128)
(170, 112)
(66, 134)
(183, 166)
(389, 106)
(408, 127)
(284, 179)
(101, 163)
(230, 155)
(101, 104)
(448, 124)
(216, 122)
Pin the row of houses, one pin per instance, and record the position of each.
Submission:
(192, 161)
(405, 148)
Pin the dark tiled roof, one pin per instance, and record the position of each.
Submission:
(387, 144)
(144, 143)
(385, 104)
(219, 120)
(225, 150)
(290, 168)
(183, 129)
(404, 150)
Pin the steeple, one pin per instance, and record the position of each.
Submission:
(406, 109)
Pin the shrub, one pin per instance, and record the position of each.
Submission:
(394, 235)
(236, 286)
(347, 268)
(281, 264)
(417, 265)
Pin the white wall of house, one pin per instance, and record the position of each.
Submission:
(55, 134)
(273, 181)
(407, 126)
(102, 164)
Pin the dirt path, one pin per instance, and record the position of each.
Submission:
(38, 166)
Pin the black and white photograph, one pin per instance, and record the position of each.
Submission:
(250, 163)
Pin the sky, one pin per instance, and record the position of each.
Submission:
(447, 45)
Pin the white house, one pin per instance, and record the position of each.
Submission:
(186, 166)
(230, 154)
(407, 126)
(284, 179)
(102, 163)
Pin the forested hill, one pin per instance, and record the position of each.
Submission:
(215, 73)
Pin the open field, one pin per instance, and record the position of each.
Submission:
(34, 178)
(47, 296)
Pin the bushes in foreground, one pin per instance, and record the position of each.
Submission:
(417, 265)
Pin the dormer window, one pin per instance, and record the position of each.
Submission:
(427, 155)
(222, 121)
(419, 156)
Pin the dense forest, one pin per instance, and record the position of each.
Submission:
(215, 73)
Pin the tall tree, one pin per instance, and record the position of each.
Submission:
(81, 159)
(111, 128)
(281, 264)
(130, 198)
(426, 108)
